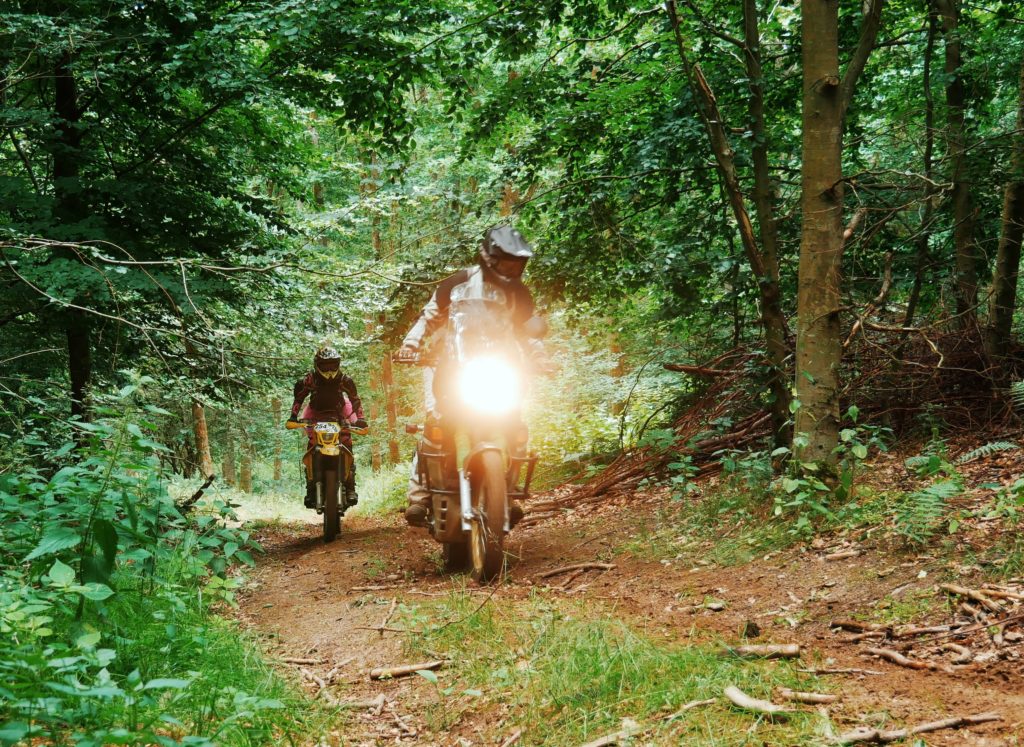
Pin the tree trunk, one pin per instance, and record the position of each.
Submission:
(391, 407)
(275, 409)
(963, 213)
(1007, 269)
(924, 239)
(818, 346)
(372, 410)
(245, 471)
(202, 437)
(227, 464)
(764, 266)
(77, 329)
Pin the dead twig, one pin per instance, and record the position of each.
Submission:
(767, 650)
(512, 738)
(296, 660)
(973, 594)
(741, 700)
(811, 698)
(577, 567)
(379, 673)
(964, 655)
(897, 658)
(878, 736)
(841, 670)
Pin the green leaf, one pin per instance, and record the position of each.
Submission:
(427, 675)
(88, 640)
(167, 684)
(860, 451)
(13, 731)
(54, 540)
(791, 485)
(96, 592)
(61, 574)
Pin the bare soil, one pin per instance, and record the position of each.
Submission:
(314, 601)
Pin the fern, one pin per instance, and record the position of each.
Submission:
(986, 450)
(920, 512)
(1017, 394)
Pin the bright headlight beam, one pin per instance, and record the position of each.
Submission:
(489, 385)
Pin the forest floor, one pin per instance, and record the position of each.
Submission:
(377, 598)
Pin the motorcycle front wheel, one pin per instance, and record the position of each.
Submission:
(455, 556)
(487, 529)
(332, 521)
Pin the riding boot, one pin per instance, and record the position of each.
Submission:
(310, 494)
(350, 490)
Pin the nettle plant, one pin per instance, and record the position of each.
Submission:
(807, 492)
(93, 552)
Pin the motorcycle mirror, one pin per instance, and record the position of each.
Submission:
(536, 327)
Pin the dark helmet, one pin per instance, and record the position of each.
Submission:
(504, 253)
(327, 361)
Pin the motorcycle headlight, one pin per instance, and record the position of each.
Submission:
(489, 385)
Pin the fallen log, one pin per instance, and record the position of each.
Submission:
(866, 735)
(403, 670)
(741, 700)
(577, 567)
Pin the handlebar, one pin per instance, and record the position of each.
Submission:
(293, 425)
(416, 359)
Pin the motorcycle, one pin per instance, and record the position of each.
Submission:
(479, 385)
(328, 463)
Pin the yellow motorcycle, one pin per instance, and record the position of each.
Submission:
(328, 464)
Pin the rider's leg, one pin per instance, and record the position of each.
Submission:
(350, 478)
(419, 497)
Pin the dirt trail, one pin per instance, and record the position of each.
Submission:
(315, 602)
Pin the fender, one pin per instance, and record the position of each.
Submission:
(471, 458)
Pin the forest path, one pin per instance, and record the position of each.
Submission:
(320, 602)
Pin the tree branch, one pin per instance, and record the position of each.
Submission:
(868, 35)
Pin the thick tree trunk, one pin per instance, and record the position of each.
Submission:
(372, 410)
(818, 346)
(202, 437)
(1007, 269)
(275, 409)
(764, 265)
(963, 213)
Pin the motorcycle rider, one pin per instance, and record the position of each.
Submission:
(501, 262)
(332, 396)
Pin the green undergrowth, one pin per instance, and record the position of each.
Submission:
(109, 594)
(565, 677)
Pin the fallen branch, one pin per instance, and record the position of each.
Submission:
(187, 505)
(811, 698)
(897, 658)
(964, 655)
(877, 736)
(617, 736)
(843, 554)
(360, 704)
(308, 662)
(973, 594)
(690, 706)
(512, 738)
(841, 670)
(380, 673)
(855, 626)
(741, 700)
(381, 587)
(695, 370)
(767, 650)
(577, 567)
(910, 631)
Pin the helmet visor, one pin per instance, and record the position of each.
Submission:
(510, 267)
(327, 366)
